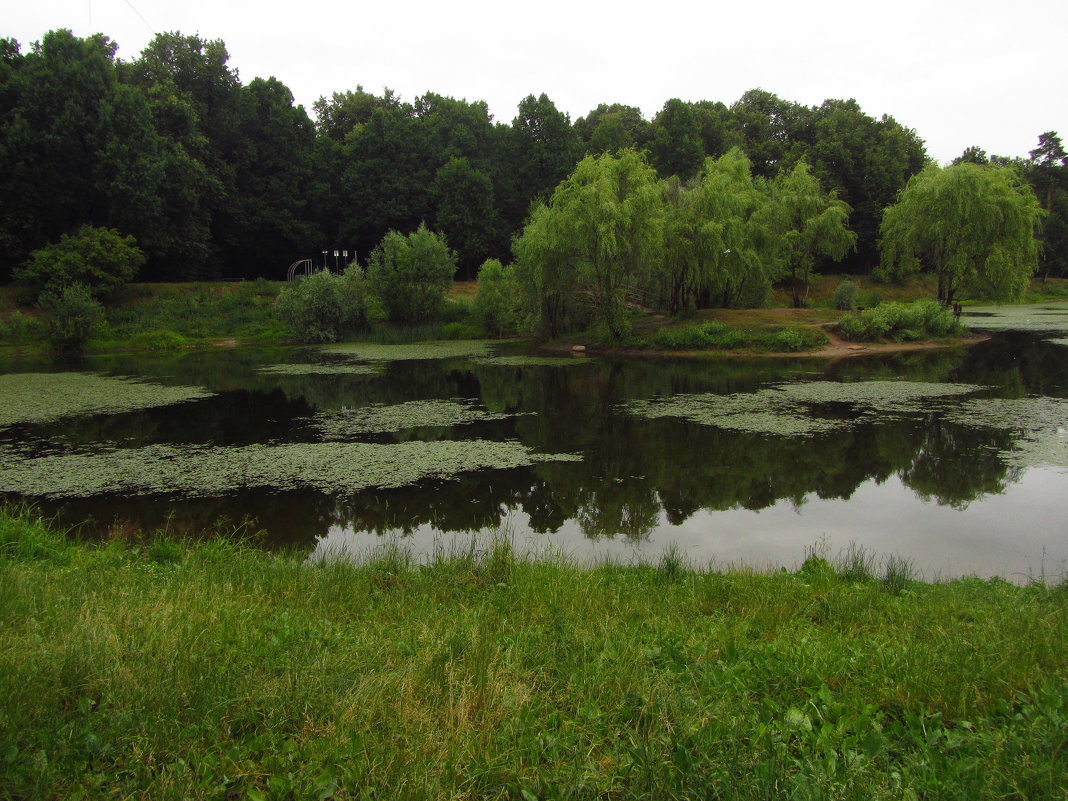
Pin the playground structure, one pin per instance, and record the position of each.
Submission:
(303, 267)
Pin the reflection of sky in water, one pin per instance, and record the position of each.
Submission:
(1016, 535)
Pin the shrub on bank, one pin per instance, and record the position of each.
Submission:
(717, 336)
(900, 322)
(100, 259)
(410, 274)
(323, 307)
(73, 316)
(497, 304)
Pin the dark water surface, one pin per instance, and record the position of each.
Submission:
(921, 480)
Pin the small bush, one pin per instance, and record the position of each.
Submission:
(789, 340)
(157, 340)
(21, 329)
(497, 304)
(100, 259)
(410, 274)
(900, 322)
(323, 307)
(462, 331)
(845, 296)
(73, 316)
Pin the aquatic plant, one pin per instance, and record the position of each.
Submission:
(533, 361)
(1036, 317)
(323, 368)
(40, 397)
(381, 418)
(783, 409)
(201, 470)
(1040, 423)
(452, 349)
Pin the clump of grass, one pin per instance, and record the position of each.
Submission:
(899, 322)
(714, 335)
(211, 669)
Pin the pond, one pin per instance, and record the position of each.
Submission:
(954, 459)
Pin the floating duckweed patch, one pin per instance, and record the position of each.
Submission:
(881, 396)
(533, 361)
(452, 349)
(1040, 423)
(40, 397)
(783, 410)
(203, 471)
(1034, 317)
(764, 412)
(319, 369)
(377, 419)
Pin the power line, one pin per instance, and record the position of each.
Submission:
(138, 13)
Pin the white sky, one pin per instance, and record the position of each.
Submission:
(959, 73)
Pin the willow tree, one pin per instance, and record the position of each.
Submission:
(716, 248)
(599, 234)
(972, 226)
(809, 223)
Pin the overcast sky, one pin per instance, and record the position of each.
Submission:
(959, 73)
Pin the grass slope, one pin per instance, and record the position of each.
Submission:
(176, 671)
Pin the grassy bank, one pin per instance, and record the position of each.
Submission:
(166, 670)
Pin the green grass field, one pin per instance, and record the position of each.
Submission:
(170, 670)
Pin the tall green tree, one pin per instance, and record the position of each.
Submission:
(610, 128)
(266, 225)
(809, 223)
(867, 162)
(775, 133)
(464, 211)
(337, 117)
(540, 151)
(386, 177)
(1047, 170)
(676, 144)
(717, 248)
(598, 236)
(195, 99)
(973, 227)
(78, 147)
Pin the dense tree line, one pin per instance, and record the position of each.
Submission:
(214, 177)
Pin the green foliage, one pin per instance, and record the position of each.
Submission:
(483, 674)
(809, 223)
(410, 274)
(73, 316)
(900, 322)
(323, 307)
(497, 304)
(593, 244)
(21, 329)
(676, 145)
(100, 259)
(973, 226)
(717, 336)
(717, 248)
(845, 296)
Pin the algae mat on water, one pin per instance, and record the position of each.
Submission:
(320, 369)
(1035, 317)
(451, 349)
(40, 397)
(1040, 424)
(203, 471)
(380, 419)
(784, 410)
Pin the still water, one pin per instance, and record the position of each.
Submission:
(954, 459)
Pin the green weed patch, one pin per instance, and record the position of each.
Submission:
(177, 671)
